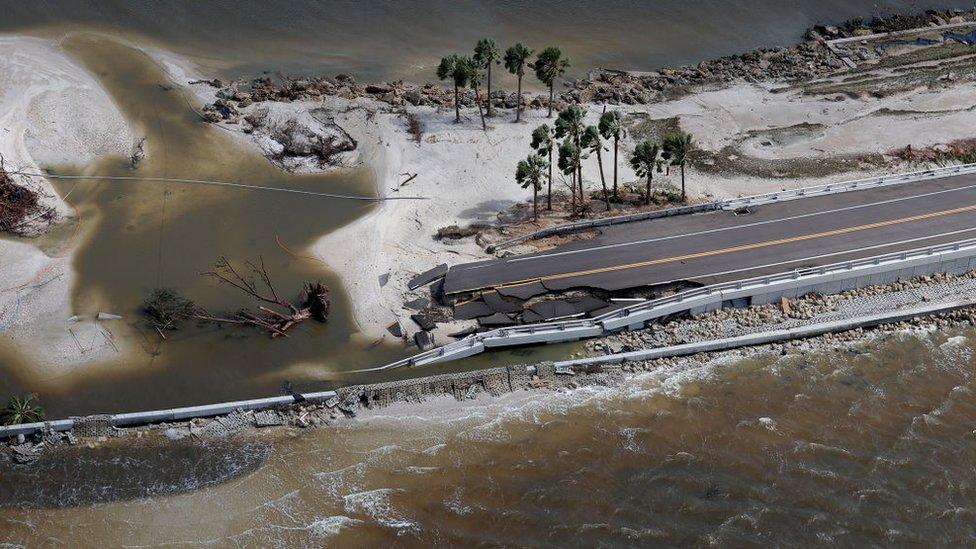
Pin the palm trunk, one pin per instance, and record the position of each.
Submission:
(552, 92)
(572, 187)
(457, 105)
(647, 195)
(684, 197)
(616, 141)
(549, 192)
(579, 169)
(489, 89)
(518, 105)
(603, 180)
(535, 201)
(481, 112)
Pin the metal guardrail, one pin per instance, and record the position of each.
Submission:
(168, 415)
(736, 203)
(639, 313)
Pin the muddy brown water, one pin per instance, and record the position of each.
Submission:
(139, 235)
(375, 39)
(862, 446)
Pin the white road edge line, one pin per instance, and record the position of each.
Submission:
(709, 231)
(821, 256)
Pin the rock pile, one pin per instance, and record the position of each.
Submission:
(809, 59)
(734, 322)
(891, 23)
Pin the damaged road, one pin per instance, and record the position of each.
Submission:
(724, 246)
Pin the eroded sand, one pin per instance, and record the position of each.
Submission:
(52, 112)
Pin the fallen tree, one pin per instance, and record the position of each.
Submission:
(19, 204)
(166, 309)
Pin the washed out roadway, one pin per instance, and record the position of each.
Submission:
(721, 246)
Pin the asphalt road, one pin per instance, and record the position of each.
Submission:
(721, 246)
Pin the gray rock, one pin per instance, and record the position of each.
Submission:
(424, 340)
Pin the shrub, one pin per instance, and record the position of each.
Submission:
(167, 309)
(22, 409)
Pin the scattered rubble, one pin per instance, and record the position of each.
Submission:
(93, 431)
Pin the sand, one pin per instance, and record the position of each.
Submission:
(55, 110)
(51, 112)
(468, 174)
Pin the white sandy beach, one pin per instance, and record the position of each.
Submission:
(468, 174)
(55, 112)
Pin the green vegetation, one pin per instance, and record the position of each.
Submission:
(530, 172)
(543, 144)
(591, 140)
(550, 65)
(475, 78)
(22, 409)
(516, 60)
(166, 309)
(569, 125)
(676, 148)
(486, 55)
(645, 160)
(570, 162)
(458, 69)
(611, 126)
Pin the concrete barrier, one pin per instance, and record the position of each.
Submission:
(954, 258)
(744, 202)
(164, 416)
(772, 336)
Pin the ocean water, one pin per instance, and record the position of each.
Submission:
(871, 445)
(863, 445)
(405, 39)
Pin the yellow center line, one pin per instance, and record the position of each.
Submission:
(740, 248)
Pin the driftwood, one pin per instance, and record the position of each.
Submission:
(19, 205)
(277, 314)
(166, 310)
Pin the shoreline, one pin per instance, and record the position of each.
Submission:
(613, 370)
(455, 163)
(55, 112)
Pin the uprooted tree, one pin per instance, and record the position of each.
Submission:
(19, 204)
(166, 309)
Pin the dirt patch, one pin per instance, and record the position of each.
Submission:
(787, 135)
(904, 73)
(960, 151)
(729, 161)
(641, 126)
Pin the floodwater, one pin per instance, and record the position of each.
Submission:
(863, 446)
(405, 39)
(140, 235)
(866, 446)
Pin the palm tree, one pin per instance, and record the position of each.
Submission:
(677, 146)
(475, 78)
(644, 161)
(530, 172)
(569, 124)
(591, 140)
(542, 142)
(516, 59)
(486, 55)
(570, 160)
(550, 65)
(612, 127)
(22, 409)
(458, 69)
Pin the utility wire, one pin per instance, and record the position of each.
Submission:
(220, 184)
